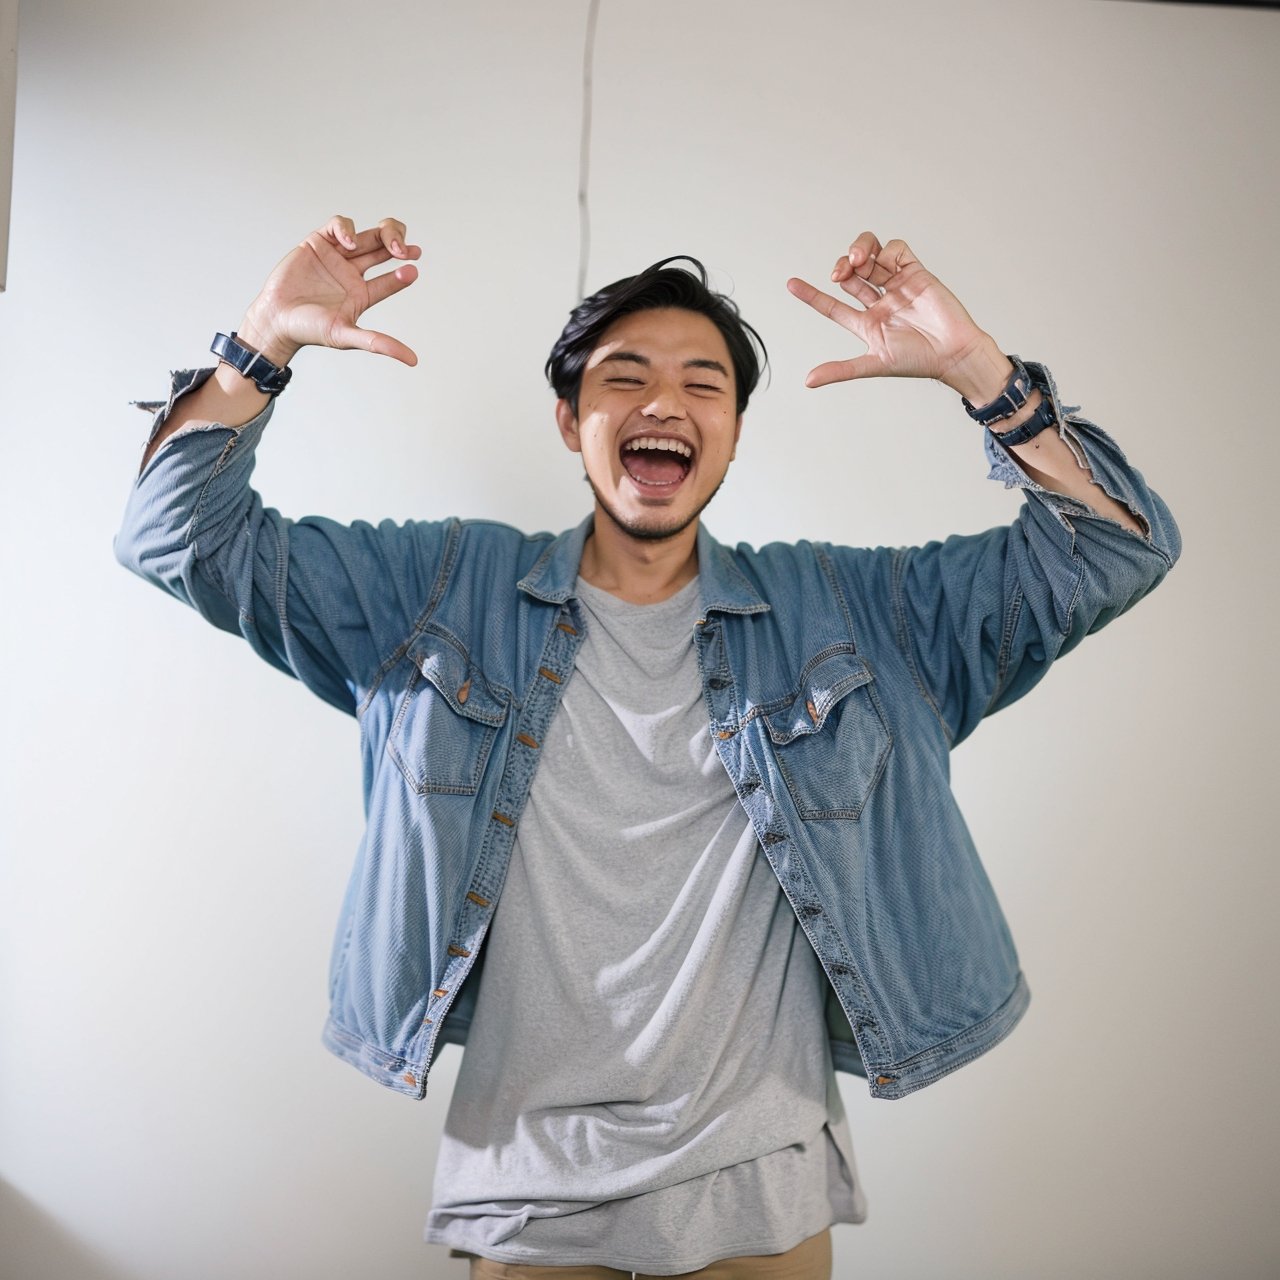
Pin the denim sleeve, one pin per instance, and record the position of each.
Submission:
(981, 617)
(324, 602)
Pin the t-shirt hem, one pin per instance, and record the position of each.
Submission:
(650, 1266)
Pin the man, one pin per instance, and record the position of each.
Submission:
(692, 802)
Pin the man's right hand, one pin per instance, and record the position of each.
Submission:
(315, 295)
(313, 298)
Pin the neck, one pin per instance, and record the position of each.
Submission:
(638, 570)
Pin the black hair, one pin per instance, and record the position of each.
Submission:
(655, 287)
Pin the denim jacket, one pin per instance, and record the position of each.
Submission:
(836, 681)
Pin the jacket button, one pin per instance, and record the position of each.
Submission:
(465, 692)
(812, 710)
(410, 1079)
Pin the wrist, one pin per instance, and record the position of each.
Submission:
(981, 373)
(254, 332)
(240, 389)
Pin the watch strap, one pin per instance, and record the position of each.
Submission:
(1042, 416)
(269, 378)
(1013, 398)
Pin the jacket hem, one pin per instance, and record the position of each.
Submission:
(391, 1070)
(893, 1082)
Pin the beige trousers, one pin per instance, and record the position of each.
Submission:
(809, 1260)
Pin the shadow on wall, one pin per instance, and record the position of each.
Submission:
(34, 1246)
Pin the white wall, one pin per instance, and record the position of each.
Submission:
(1098, 182)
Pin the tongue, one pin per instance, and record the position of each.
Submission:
(649, 466)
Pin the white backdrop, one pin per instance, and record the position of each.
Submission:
(1097, 180)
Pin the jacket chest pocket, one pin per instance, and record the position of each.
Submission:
(831, 741)
(447, 720)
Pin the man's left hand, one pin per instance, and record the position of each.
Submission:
(912, 324)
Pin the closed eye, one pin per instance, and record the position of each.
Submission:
(620, 380)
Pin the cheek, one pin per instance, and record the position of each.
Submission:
(719, 438)
(597, 446)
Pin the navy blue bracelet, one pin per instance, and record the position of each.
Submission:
(1042, 416)
(269, 378)
(1016, 393)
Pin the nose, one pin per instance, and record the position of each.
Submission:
(665, 403)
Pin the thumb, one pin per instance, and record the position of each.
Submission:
(865, 366)
(351, 337)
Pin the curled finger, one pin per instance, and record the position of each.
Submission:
(896, 256)
(392, 233)
(341, 231)
(863, 253)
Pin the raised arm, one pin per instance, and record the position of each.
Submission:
(313, 298)
(981, 617)
(915, 327)
(322, 601)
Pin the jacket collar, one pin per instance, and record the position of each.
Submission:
(722, 584)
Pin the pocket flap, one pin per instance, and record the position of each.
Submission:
(822, 684)
(457, 680)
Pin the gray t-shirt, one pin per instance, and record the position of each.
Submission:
(646, 1084)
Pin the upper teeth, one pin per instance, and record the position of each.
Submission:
(652, 442)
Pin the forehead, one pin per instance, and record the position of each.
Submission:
(666, 334)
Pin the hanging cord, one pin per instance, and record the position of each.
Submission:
(584, 152)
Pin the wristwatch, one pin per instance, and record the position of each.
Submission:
(1017, 391)
(1008, 402)
(1042, 416)
(269, 378)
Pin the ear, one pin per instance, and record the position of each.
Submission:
(568, 424)
(737, 435)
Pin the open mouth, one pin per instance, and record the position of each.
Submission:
(657, 462)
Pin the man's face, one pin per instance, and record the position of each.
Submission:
(657, 421)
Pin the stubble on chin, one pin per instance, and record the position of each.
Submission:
(655, 531)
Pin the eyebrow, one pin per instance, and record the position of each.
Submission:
(634, 357)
